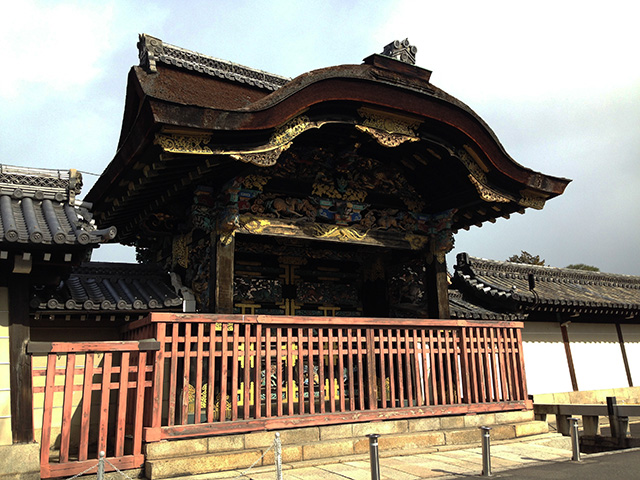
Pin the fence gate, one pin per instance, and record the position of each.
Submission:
(91, 398)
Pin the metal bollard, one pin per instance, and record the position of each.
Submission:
(278, 456)
(486, 451)
(373, 456)
(100, 474)
(575, 439)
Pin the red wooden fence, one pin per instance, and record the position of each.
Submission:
(231, 373)
(111, 378)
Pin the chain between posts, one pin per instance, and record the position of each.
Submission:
(278, 459)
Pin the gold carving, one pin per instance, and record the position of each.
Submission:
(487, 194)
(184, 143)
(389, 123)
(227, 237)
(341, 233)
(290, 130)
(387, 139)
(388, 130)
(180, 250)
(255, 182)
(416, 242)
(472, 166)
(262, 159)
(252, 225)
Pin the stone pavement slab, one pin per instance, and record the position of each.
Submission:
(441, 463)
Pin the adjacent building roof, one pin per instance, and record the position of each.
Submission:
(562, 290)
(462, 307)
(40, 207)
(109, 288)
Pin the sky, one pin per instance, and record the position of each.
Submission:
(557, 81)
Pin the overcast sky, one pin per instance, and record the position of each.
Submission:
(558, 82)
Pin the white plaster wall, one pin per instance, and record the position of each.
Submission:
(545, 361)
(5, 393)
(597, 357)
(631, 336)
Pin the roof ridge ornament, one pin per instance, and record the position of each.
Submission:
(152, 50)
(402, 51)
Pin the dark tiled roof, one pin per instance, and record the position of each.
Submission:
(99, 286)
(152, 50)
(39, 206)
(464, 308)
(560, 289)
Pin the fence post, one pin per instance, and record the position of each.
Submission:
(100, 474)
(486, 451)
(575, 439)
(374, 459)
(278, 456)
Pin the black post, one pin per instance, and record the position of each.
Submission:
(373, 456)
(612, 411)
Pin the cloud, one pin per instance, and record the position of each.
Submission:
(55, 46)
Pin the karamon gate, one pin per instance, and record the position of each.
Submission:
(305, 223)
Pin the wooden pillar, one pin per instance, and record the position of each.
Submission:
(567, 349)
(437, 287)
(625, 359)
(19, 360)
(223, 273)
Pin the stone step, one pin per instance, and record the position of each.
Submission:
(239, 452)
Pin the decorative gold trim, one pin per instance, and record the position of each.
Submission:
(227, 237)
(387, 139)
(261, 159)
(254, 225)
(180, 250)
(387, 129)
(341, 233)
(290, 130)
(191, 144)
(417, 242)
(487, 194)
(388, 122)
(474, 169)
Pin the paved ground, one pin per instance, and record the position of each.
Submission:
(540, 458)
(441, 464)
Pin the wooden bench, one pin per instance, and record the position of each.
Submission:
(591, 413)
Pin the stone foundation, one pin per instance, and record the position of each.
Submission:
(236, 452)
(20, 461)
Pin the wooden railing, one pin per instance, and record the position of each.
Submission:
(232, 373)
(100, 388)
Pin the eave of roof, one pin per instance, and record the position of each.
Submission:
(555, 289)
(111, 288)
(181, 100)
(462, 307)
(38, 207)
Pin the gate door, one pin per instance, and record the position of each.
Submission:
(91, 396)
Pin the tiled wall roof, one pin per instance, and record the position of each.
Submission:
(109, 286)
(39, 206)
(554, 288)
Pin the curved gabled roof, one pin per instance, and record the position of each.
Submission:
(201, 112)
(555, 289)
